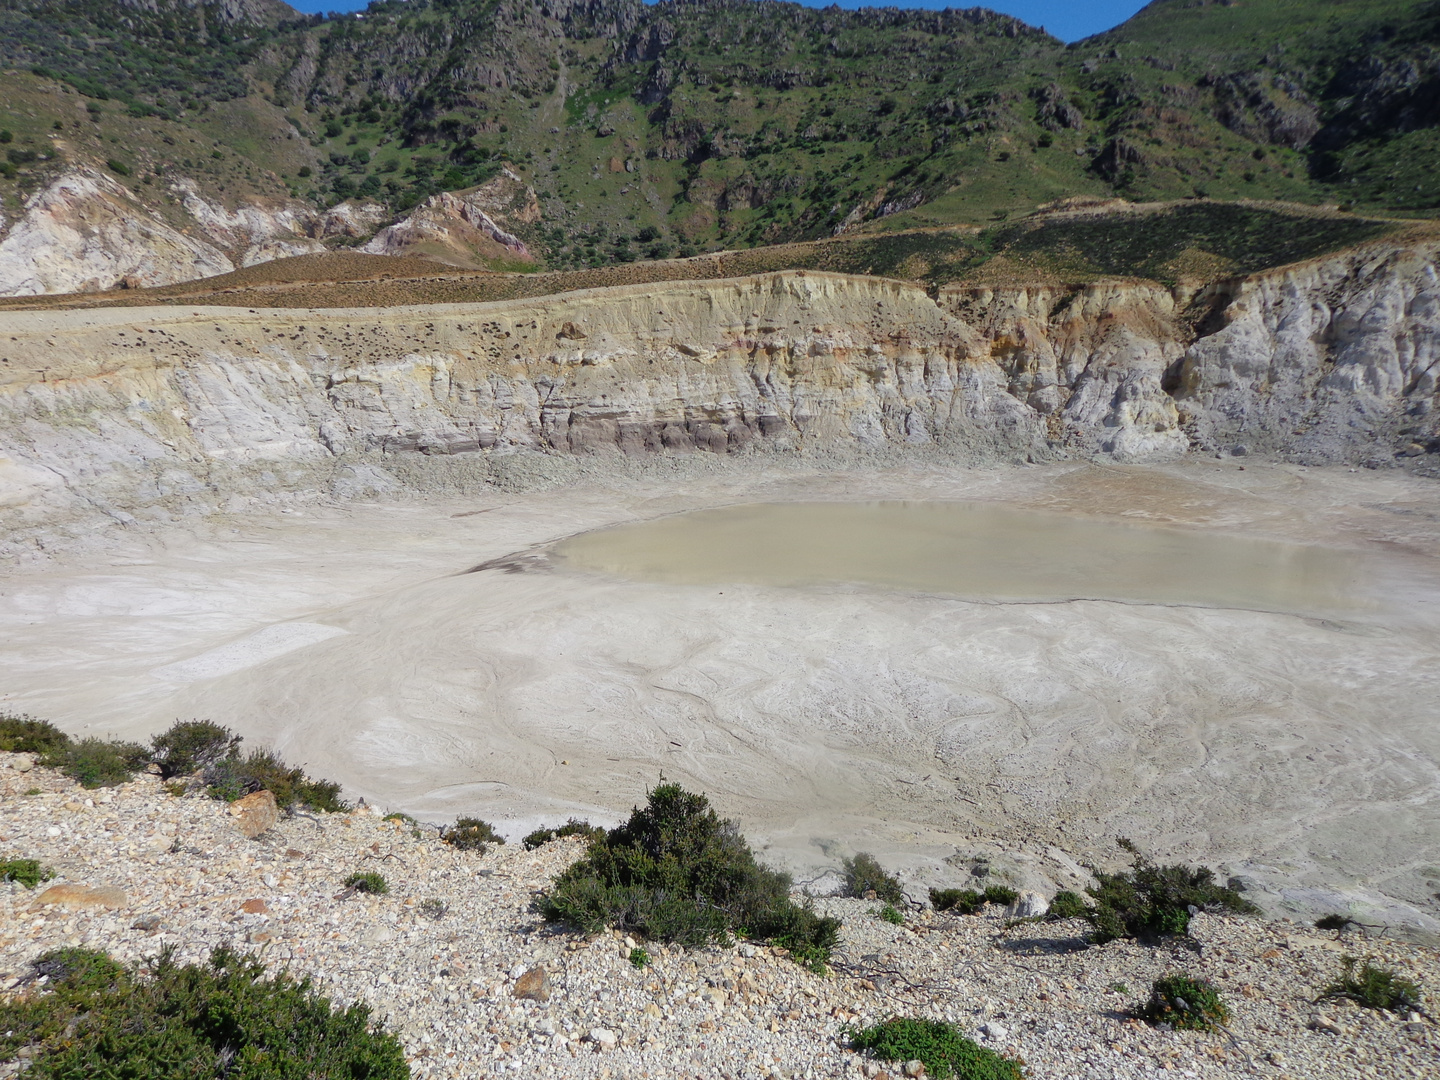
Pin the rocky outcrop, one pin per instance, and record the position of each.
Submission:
(463, 229)
(121, 408)
(85, 232)
(1090, 360)
(255, 233)
(1325, 362)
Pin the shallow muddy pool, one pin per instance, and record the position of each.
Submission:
(974, 551)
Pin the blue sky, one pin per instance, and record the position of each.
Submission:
(1070, 20)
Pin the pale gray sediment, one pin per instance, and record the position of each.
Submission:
(1294, 750)
(250, 516)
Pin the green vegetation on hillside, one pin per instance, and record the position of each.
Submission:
(677, 872)
(649, 131)
(939, 1046)
(82, 1015)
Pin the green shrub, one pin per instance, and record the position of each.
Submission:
(234, 777)
(27, 872)
(676, 872)
(1185, 1004)
(367, 881)
(1333, 922)
(960, 901)
(968, 901)
(99, 762)
(26, 735)
(864, 876)
(1000, 894)
(939, 1045)
(118, 167)
(472, 834)
(1067, 905)
(1373, 987)
(191, 745)
(890, 915)
(95, 1018)
(1152, 901)
(570, 828)
(639, 958)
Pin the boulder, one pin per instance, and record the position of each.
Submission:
(1028, 905)
(533, 985)
(255, 813)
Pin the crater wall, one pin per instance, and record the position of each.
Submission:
(126, 411)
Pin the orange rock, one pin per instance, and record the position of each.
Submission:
(255, 813)
(83, 897)
(255, 907)
(534, 985)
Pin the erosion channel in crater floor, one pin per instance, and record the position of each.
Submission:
(1245, 675)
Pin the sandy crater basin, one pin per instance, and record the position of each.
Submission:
(954, 668)
(976, 551)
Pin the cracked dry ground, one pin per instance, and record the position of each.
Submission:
(446, 983)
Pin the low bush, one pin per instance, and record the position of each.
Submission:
(98, 762)
(676, 872)
(1373, 987)
(472, 834)
(94, 1017)
(1000, 894)
(189, 746)
(234, 777)
(570, 828)
(890, 915)
(944, 1052)
(639, 958)
(1067, 905)
(1333, 922)
(867, 879)
(184, 748)
(968, 901)
(27, 872)
(1184, 1004)
(367, 881)
(960, 901)
(26, 735)
(1149, 901)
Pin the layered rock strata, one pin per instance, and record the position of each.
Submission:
(1328, 362)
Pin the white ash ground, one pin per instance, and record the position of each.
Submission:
(446, 984)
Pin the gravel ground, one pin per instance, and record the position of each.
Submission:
(447, 983)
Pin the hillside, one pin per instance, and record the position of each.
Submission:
(649, 131)
(439, 958)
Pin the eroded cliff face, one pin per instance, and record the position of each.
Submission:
(1326, 362)
(84, 233)
(129, 410)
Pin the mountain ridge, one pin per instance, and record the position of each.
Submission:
(647, 131)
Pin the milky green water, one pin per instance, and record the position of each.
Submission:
(972, 551)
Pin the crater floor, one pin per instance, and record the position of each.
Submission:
(1300, 752)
